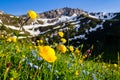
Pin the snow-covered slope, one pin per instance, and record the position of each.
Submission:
(31, 28)
(35, 29)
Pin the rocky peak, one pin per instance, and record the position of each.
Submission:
(59, 12)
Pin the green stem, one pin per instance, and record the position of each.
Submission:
(52, 71)
(6, 71)
(24, 22)
(118, 59)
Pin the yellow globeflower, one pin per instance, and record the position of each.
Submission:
(38, 41)
(6, 36)
(41, 41)
(47, 53)
(30, 47)
(61, 34)
(2, 36)
(108, 65)
(62, 48)
(12, 78)
(85, 56)
(14, 39)
(16, 47)
(115, 65)
(104, 66)
(35, 47)
(80, 61)
(71, 48)
(32, 14)
(18, 50)
(9, 40)
(63, 40)
(77, 50)
(76, 72)
(2, 55)
(23, 56)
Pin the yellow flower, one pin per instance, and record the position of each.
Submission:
(80, 61)
(99, 71)
(76, 73)
(6, 36)
(35, 47)
(12, 78)
(61, 34)
(32, 14)
(63, 40)
(104, 66)
(18, 50)
(115, 65)
(23, 56)
(108, 65)
(85, 56)
(47, 53)
(71, 48)
(114, 70)
(77, 50)
(9, 40)
(30, 47)
(2, 36)
(16, 46)
(41, 41)
(14, 39)
(2, 55)
(62, 48)
(38, 41)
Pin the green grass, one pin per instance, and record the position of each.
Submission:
(20, 62)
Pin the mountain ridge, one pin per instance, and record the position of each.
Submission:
(66, 11)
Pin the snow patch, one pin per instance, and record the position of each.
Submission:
(75, 22)
(67, 18)
(95, 28)
(93, 16)
(86, 31)
(77, 27)
(12, 27)
(78, 37)
(11, 16)
(0, 21)
(21, 33)
(56, 27)
(22, 37)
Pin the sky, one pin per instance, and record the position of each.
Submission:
(19, 7)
